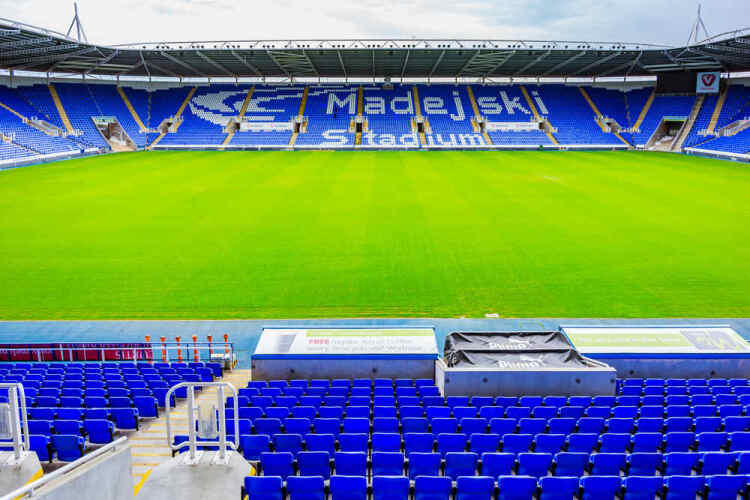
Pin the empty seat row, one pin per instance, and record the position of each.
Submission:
(485, 488)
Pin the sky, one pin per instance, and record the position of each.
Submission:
(666, 22)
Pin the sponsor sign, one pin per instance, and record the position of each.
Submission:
(346, 341)
(708, 83)
(667, 340)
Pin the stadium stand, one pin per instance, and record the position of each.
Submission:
(73, 407)
(656, 436)
(389, 116)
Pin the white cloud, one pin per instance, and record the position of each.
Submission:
(127, 21)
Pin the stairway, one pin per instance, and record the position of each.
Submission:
(61, 109)
(644, 111)
(717, 111)
(300, 114)
(477, 115)
(418, 114)
(538, 116)
(149, 444)
(132, 110)
(176, 119)
(360, 107)
(688, 125)
(242, 112)
(597, 113)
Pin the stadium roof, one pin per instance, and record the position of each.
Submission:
(28, 48)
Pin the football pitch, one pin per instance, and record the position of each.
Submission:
(375, 234)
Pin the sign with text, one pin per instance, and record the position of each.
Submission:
(708, 83)
(670, 340)
(346, 341)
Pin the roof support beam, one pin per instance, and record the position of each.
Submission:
(282, 68)
(468, 62)
(406, 61)
(437, 63)
(532, 63)
(181, 63)
(103, 61)
(500, 64)
(214, 63)
(630, 65)
(596, 63)
(246, 63)
(341, 61)
(564, 63)
(39, 50)
(30, 62)
(23, 43)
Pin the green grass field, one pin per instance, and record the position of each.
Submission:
(386, 234)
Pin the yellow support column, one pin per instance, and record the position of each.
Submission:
(593, 108)
(60, 109)
(537, 115)
(360, 107)
(131, 109)
(644, 111)
(717, 111)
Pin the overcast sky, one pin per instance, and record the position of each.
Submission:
(124, 21)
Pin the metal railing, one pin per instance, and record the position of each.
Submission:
(19, 431)
(29, 489)
(192, 443)
(134, 351)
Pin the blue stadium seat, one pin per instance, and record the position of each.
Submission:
(599, 487)
(262, 487)
(607, 464)
(305, 488)
(390, 488)
(643, 463)
(424, 464)
(99, 431)
(680, 463)
(69, 447)
(682, 487)
(414, 424)
(613, 443)
(291, 443)
(321, 442)
(484, 443)
(474, 488)
(387, 463)
(314, 463)
(444, 426)
(534, 464)
(549, 443)
(516, 487)
(451, 443)
(348, 488)
(561, 425)
(323, 426)
(125, 418)
(532, 425)
(384, 441)
(503, 426)
(432, 488)
(460, 464)
(558, 488)
(350, 463)
(726, 487)
(581, 442)
(716, 463)
(517, 443)
(570, 463)
(353, 442)
(711, 441)
(385, 424)
(679, 424)
(641, 488)
(277, 464)
(678, 441)
(647, 442)
(495, 465)
(253, 445)
(739, 441)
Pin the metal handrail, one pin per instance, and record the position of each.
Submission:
(17, 386)
(191, 443)
(29, 488)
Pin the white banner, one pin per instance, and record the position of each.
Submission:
(657, 339)
(346, 341)
(708, 83)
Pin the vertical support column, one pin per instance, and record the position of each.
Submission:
(148, 341)
(179, 350)
(195, 348)
(164, 358)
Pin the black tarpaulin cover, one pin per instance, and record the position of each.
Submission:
(512, 350)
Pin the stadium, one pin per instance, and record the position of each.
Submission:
(374, 268)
